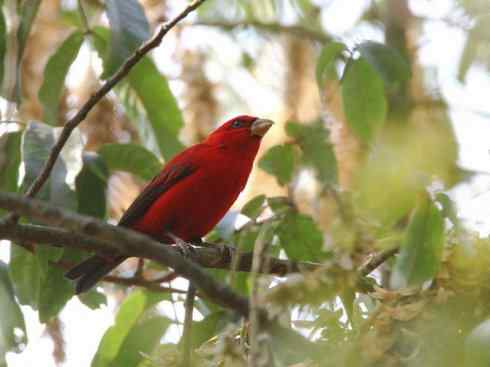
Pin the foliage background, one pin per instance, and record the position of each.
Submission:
(381, 141)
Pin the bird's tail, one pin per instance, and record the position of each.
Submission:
(90, 271)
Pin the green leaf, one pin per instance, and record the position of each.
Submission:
(279, 161)
(300, 237)
(363, 99)
(55, 292)
(37, 283)
(279, 204)
(254, 207)
(91, 185)
(9, 166)
(317, 150)
(477, 351)
(27, 13)
(12, 320)
(388, 62)
(33, 273)
(25, 273)
(55, 73)
(129, 29)
(448, 207)
(3, 43)
(141, 340)
(325, 65)
(131, 158)
(37, 140)
(160, 106)
(93, 299)
(154, 94)
(208, 327)
(100, 40)
(46, 254)
(421, 250)
(128, 318)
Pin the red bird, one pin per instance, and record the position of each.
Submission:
(191, 194)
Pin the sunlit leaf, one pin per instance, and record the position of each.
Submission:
(141, 340)
(477, 351)
(254, 207)
(316, 148)
(120, 341)
(363, 99)
(388, 62)
(55, 73)
(279, 161)
(158, 102)
(131, 158)
(279, 204)
(129, 29)
(300, 237)
(421, 250)
(160, 105)
(325, 65)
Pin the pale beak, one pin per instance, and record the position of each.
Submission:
(260, 126)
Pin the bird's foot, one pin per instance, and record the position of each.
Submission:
(185, 248)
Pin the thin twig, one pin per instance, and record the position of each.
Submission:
(141, 283)
(98, 95)
(187, 333)
(165, 278)
(139, 269)
(376, 260)
(256, 348)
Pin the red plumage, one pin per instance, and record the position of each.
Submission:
(191, 194)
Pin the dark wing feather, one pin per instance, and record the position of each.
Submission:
(171, 174)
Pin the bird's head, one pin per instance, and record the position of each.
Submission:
(240, 133)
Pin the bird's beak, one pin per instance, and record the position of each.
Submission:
(260, 126)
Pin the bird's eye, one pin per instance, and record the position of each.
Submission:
(236, 123)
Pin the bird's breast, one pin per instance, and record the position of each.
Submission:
(191, 208)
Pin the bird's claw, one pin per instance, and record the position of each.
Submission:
(185, 249)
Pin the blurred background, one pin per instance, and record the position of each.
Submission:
(374, 103)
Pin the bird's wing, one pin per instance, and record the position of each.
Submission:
(181, 166)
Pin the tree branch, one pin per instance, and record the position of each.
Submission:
(121, 240)
(26, 235)
(115, 239)
(376, 260)
(187, 333)
(98, 95)
(211, 256)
